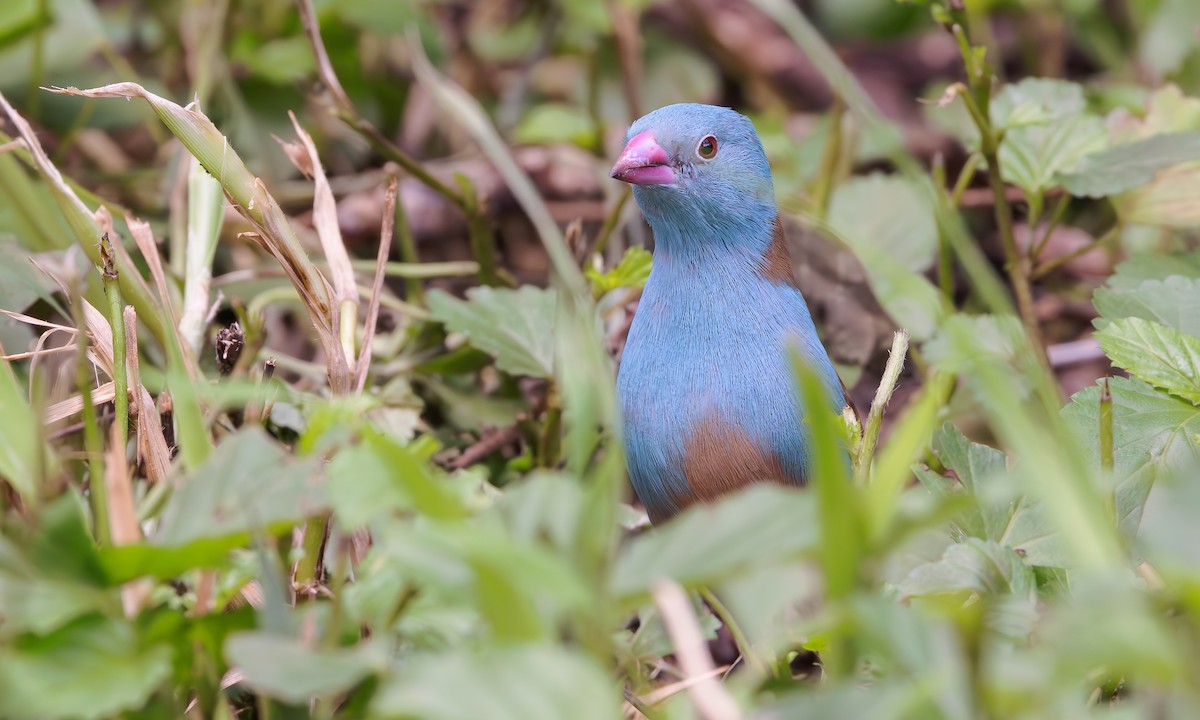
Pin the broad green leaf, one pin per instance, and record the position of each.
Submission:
(95, 667)
(551, 123)
(1170, 36)
(710, 543)
(1125, 167)
(1153, 266)
(33, 602)
(1155, 353)
(895, 241)
(1152, 433)
(379, 476)
(633, 271)
(1001, 513)
(523, 682)
(1170, 535)
(885, 216)
(974, 466)
(983, 567)
(1173, 301)
(521, 590)
(23, 457)
(992, 357)
(248, 484)
(514, 326)
(1046, 131)
(1168, 200)
(284, 668)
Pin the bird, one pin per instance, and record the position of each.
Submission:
(707, 394)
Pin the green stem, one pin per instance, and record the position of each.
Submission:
(116, 318)
(608, 228)
(550, 440)
(1106, 448)
(1016, 263)
(827, 173)
(965, 176)
(1060, 209)
(883, 395)
(406, 246)
(93, 445)
(1049, 267)
(761, 668)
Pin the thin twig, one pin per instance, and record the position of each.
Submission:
(372, 318)
(486, 445)
(710, 699)
(883, 395)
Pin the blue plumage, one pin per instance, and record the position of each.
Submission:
(706, 390)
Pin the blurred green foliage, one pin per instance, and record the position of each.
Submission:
(1005, 555)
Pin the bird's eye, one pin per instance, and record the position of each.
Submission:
(707, 148)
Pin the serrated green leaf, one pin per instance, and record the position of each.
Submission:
(1152, 433)
(978, 566)
(1125, 167)
(1173, 301)
(1155, 353)
(514, 326)
(1046, 131)
(95, 667)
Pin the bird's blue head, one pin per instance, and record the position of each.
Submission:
(699, 167)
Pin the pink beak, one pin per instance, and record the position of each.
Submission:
(644, 162)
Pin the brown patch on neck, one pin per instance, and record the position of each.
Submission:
(719, 458)
(776, 263)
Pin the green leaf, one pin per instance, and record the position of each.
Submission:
(1046, 131)
(983, 567)
(1173, 301)
(528, 682)
(1170, 36)
(249, 484)
(1155, 353)
(1001, 513)
(284, 668)
(1131, 165)
(514, 326)
(551, 123)
(1153, 266)
(93, 668)
(24, 458)
(633, 271)
(710, 543)
(1168, 200)
(1152, 433)
(520, 589)
(33, 602)
(379, 476)
(895, 240)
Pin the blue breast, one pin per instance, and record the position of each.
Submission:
(706, 389)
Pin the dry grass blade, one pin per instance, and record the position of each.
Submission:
(84, 223)
(711, 700)
(385, 247)
(151, 443)
(143, 237)
(259, 207)
(122, 518)
(325, 220)
(74, 405)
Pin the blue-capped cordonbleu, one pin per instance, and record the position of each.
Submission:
(707, 393)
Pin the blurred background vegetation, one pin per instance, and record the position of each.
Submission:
(312, 415)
